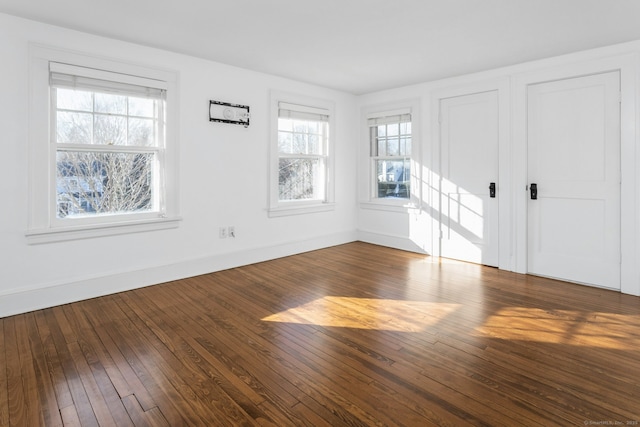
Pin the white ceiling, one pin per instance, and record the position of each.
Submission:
(358, 46)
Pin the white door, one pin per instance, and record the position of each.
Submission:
(574, 161)
(469, 166)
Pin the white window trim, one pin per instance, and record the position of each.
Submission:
(41, 227)
(367, 196)
(276, 207)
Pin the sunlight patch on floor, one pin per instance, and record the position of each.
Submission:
(593, 329)
(366, 313)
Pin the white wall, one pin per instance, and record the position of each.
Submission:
(420, 230)
(223, 181)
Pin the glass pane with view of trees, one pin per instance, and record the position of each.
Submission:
(297, 178)
(103, 183)
(301, 145)
(108, 180)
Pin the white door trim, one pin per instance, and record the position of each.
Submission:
(628, 65)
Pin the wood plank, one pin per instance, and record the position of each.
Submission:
(17, 402)
(190, 386)
(70, 416)
(353, 335)
(54, 368)
(98, 405)
(218, 338)
(4, 395)
(120, 372)
(327, 369)
(153, 380)
(48, 405)
(229, 327)
(98, 383)
(81, 402)
(195, 361)
(141, 418)
(253, 387)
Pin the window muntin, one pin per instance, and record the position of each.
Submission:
(391, 139)
(303, 134)
(109, 140)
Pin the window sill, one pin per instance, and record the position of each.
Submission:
(300, 209)
(52, 235)
(400, 206)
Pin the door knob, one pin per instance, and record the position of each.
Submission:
(534, 191)
(492, 190)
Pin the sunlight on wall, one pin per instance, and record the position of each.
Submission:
(463, 208)
(419, 220)
(419, 229)
(604, 330)
(461, 215)
(463, 224)
(366, 313)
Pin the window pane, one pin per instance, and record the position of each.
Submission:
(314, 146)
(301, 137)
(117, 119)
(110, 130)
(107, 103)
(142, 107)
(285, 141)
(299, 143)
(285, 125)
(142, 132)
(305, 135)
(103, 183)
(300, 179)
(79, 100)
(313, 127)
(74, 128)
(393, 147)
(382, 147)
(405, 146)
(300, 126)
(393, 178)
(405, 128)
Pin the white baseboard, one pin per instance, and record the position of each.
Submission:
(53, 294)
(390, 240)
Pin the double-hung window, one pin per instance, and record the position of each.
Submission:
(302, 158)
(390, 148)
(303, 134)
(103, 163)
(109, 142)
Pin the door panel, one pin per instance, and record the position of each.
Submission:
(469, 163)
(574, 158)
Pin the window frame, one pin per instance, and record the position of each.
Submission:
(368, 193)
(387, 119)
(43, 225)
(279, 207)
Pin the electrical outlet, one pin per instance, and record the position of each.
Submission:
(223, 232)
(232, 231)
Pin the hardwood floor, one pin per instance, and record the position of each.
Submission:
(355, 335)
